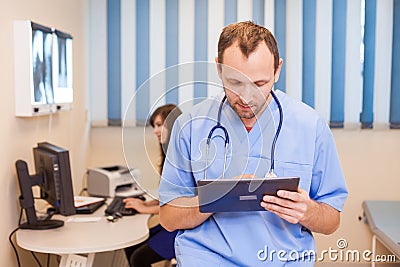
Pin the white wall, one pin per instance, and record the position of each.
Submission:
(135, 146)
(20, 135)
(370, 161)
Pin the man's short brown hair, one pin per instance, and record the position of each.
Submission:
(248, 35)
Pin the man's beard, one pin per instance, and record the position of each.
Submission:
(250, 114)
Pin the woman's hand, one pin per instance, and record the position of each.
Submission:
(141, 206)
(135, 203)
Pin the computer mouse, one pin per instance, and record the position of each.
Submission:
(140, 197)
(111, 218)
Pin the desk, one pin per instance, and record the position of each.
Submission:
(85, 237)
(383, 218)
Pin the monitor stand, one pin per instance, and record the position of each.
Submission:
(42, 225)
(26, 200)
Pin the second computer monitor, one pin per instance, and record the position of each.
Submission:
(53, 162)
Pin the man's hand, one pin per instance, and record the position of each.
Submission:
(294, 207)
(297, 207)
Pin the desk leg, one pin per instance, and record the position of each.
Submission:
(90, 259)
(68, 260)
(373, 250)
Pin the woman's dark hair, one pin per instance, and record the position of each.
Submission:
(169, 113)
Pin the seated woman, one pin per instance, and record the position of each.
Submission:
(160, 245)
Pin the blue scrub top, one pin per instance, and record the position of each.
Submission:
(305, 148)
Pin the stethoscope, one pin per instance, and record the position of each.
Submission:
(270, 173)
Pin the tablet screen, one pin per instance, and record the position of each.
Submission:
(232, 195)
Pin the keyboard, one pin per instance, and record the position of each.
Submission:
(117, 205)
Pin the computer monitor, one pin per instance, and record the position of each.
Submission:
(53, 162)
(53, 176)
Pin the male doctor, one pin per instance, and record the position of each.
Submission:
(248, 64)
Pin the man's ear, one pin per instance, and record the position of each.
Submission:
(278, 70)
(219, 67)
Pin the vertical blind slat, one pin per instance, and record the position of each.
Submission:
(367, 114)
(338, 63)
(394, 117)
(308, 80)
(114, 61)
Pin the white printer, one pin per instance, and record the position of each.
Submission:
(109, 181)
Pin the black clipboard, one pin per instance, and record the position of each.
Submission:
(233, 195)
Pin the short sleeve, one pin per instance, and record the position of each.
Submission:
(177, 179)
(328, 183)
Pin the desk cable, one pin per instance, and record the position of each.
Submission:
(84, 183)
(14, 247)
